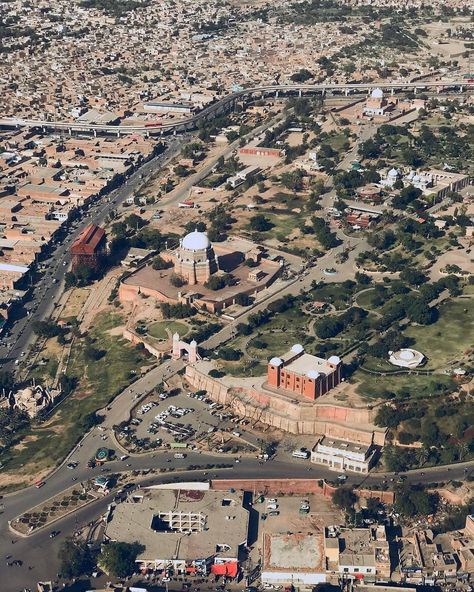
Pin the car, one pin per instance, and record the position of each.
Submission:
(274, 513)
(272, 500)
(39, 484)
(342, 477)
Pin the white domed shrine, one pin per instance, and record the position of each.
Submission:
(195, 258)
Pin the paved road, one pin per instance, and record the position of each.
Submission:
(47, 289)
(225, 102)
(31, 550)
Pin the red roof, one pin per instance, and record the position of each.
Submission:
(225, 569)
(89, 241)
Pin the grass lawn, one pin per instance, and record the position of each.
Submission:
(335, 294)
(364, 300)
(243, 368)
(446, 340)
(158, 329)
(283, 225)
(372, 387)
(99, 382)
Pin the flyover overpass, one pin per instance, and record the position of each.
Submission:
(227, 103)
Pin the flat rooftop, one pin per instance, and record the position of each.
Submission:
(344, 445)
(207, 519)
(306, 362)
(294, 552)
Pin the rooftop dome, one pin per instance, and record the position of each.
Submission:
(276, 362)
(196, 241)
(334, 360)
(297, 348)
(407, 354)
(377, 93)
(312, 374)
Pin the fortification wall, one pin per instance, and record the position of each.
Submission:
(290, 415)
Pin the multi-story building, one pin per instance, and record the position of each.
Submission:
(344, 455)
(304, 374)
(358, 553)
(89, 248)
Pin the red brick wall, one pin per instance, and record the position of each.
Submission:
(298, 486)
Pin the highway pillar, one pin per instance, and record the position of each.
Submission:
(346, 91)
(392, 91)
(94, 131)
(69, 131)
(461, 89)
(299, 93)
(276, 94)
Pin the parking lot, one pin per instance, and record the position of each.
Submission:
(173, 418)
(296, 513)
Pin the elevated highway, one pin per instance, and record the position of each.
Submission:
(228, 102)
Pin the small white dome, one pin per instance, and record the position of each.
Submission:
(312, 374)
(276, 362)
(196, 241)
(297, 348)
(377, 93)
(334, 360)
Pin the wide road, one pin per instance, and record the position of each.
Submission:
(31, 550)
(50, 285)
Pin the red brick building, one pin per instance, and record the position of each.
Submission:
(304, 374)
(89, 248)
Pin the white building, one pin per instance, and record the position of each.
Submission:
(343, 455)
(406, 358)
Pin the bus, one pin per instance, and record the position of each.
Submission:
(301, 454)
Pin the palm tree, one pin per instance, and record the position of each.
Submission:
(422, 455)
(463, 449)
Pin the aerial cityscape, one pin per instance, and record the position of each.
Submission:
(236, 296)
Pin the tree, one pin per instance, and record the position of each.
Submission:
(292, 180)
(76, 559)
(301, 76)
(328, 327)
(160, 263)
(46, 329)
(344, 498)
(177, 280)
(6, 380)
(230, 354)
(418, 312)
(92, 354)
(118, 559)
(243, 300)
(411, 276)
(260, 223)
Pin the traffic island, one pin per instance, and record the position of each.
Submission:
(54, 509)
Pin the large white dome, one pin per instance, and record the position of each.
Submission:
(196, 241)
(377, 93)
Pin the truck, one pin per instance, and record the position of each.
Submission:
(179, 455)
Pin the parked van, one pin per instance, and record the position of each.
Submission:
(272, 506)
(179, 455)
(124, 457)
